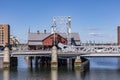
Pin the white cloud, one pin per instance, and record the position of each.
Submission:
(94, 29)
(93, 34)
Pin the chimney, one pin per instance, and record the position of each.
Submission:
(45, 31)
(38, 32)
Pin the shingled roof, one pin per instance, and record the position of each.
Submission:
(38, 37)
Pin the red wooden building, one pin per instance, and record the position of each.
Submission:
(49, 41)
(45, 40)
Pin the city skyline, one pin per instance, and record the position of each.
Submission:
(95, 20)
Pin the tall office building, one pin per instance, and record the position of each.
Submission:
(4, 34)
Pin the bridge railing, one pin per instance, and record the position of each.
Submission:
(98, 49)
(23, 52)
(75, 50)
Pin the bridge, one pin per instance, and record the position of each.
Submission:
(75, 53)
(86, 51)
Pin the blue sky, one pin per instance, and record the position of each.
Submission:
(94, 20)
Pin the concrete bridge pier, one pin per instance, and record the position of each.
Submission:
(6, 74)
(6, 58)
(13, 62)
(54, 74)
(68, 63)
(54, 60)
(30, 64)
(36, 61)
(78, 63)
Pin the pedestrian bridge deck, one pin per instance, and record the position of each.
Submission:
(62, 53)
(87, 51)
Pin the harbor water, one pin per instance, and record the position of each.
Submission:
(106, 68)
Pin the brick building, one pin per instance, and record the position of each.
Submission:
(4, 34)
(118, 32)
(14, 41)
(45, 40)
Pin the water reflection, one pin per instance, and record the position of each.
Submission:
(78, 74)
(1, 62)
(64, 72)
(6, 73)
(104, 62)
(54, 74)
(103, 74)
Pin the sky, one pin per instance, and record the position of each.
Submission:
(94, 20)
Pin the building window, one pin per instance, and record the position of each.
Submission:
(2, 35)
(2, 41)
